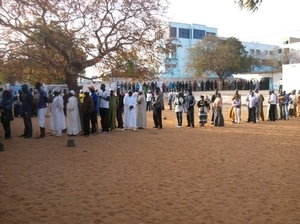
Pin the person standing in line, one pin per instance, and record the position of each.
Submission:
(57, 120)
(6, 113)
(232, 109)
(104, 109)
(16, 104)
(190, 108)
(293, 104)
(120, 108)
(286, 105)
(34, 112)
(237, 109)
(93, 115)
(73, 124)
(42, 109)
(203, 109)
(170, 99)
(65, 99)
(268, 107)
(178, 108)
(212, 102)
(113, 104)
(252, 107)
(247, 104)
(217, 107)
(80, 103)
(259, 106)
(141, 111)
(209, 103)
(281, 102)
(272, 101)
(149, 97)
(298, 103)
(49, 103)
(87, 110)
(157, 108)
(26, 99)
(129, 111)
(81, 96)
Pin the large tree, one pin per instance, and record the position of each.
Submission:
(218, 55)
(62, 29)
(251, 5)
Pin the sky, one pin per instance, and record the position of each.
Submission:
(275, 19)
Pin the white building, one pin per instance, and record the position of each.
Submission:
(188, 34)
(290, 47)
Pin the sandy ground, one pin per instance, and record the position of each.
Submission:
(247, 173)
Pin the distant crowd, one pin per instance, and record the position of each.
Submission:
(127, 108)
(200, 85)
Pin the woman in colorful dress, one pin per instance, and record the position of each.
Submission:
(203, 110)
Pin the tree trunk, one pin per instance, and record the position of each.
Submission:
(220, 83)
(71, 81)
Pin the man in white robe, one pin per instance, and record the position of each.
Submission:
(57, 119)
(129, 111)
(73, 124)
(141, 110)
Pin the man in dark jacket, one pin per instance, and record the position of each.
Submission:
(158, 106)
(190, 108)
(26, 99)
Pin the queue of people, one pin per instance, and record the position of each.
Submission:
(128, 110)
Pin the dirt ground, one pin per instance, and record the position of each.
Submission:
(246, 173)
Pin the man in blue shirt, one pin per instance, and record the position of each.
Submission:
(95, 112)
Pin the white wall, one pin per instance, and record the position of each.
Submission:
(291, 77)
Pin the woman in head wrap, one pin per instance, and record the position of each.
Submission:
(203, 109)
(73, 120)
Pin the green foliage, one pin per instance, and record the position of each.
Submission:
(219, 56)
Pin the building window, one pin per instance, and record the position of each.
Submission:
(184, 33)
(198, 34)
(172, 31)
(257, 52)
(251, 51)
(211, 34)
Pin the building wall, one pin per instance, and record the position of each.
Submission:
(291, 77)
(258, 50)
(196, 32)
(178, 60)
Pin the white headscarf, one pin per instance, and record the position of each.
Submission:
(72, 92)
